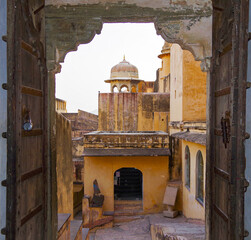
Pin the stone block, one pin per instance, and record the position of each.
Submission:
(170, 214)
(170, 196)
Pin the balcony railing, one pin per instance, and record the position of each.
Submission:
(129, 140)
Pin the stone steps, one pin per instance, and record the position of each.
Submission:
(85, 233)
(76, 230)
(63, 226)
(129, 212)
(127, 205)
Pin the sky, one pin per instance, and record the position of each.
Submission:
(84, 71)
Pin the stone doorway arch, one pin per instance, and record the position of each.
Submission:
(175, 21)
(128, 184)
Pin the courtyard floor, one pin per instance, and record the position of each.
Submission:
(154, 227)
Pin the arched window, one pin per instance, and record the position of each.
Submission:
(200, 177)
(124, 88)
(134, 89)
(115, 89)
(187, 167)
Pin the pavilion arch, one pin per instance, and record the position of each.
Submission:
(115, 89)
(123, 87)
(133, 89)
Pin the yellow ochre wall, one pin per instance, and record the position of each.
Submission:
(163, 72)
(133, 112)
(194, 89)
(188, 87)
(191, 207)
(176, 84)
(154, 171)
(64, 165)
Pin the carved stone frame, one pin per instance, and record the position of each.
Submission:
(69, 26)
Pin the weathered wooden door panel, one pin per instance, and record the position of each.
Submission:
(27, 96)
(228, 86)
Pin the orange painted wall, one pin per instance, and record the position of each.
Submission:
(155, 176)
(194, 89)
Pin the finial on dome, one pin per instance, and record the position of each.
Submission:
(124, 58)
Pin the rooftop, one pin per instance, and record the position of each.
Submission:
(194, 137)
(120, 143)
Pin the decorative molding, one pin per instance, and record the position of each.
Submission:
(194, 35)
(68, 26)
(67, 36)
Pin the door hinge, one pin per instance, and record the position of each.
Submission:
(246, 233)
(246, 185)
(3, 231)
(248, 85)
(4, 38)
(4, 135)
(5, 86)
(225, 128)
(247, 135)
(4, 183)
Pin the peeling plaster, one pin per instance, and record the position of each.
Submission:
(188, 23)
(156, 4)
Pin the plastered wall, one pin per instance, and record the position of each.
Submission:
(64, 165)
(154, 171)
(176, 85)
(163, 72)
(188, 87)
(133, 112)
(194, 89)
(141, 3)
(191, 207)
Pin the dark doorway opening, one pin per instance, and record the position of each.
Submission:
(128, 184)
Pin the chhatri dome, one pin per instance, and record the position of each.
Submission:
(124, 77)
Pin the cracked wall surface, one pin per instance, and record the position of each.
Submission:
(164, 4)
(70, 23)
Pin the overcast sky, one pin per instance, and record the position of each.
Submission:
(84, 71)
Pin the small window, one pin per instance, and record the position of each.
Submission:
(115, 89)
(187, 167)
(200, 178)
(124, 88)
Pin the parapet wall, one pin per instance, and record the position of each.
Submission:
(134, 111)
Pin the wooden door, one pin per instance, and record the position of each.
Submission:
(227, 120)
(27, 96)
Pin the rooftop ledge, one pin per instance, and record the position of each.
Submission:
(126, 140)
(126, 133)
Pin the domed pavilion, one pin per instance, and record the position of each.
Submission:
(124, 78)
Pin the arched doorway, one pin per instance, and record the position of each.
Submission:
(233, 49)
(128, 184)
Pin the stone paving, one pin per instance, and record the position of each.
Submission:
(179, 228)
(135, 230)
